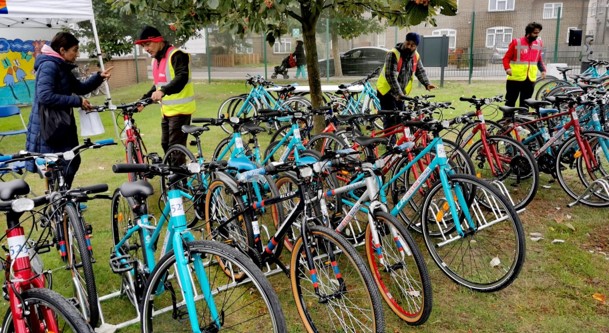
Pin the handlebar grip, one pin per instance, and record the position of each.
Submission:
(269, 113)
(203, 120)
(464, 99)
(105, 142)
(98, 188)
(126, 168)
(4, 158)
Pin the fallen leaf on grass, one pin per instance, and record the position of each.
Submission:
(570, 226)
(535, 234)
(600, 297)
(536, 239)
(556, 241)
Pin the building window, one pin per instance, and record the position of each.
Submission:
(498, 36)
(452, 36)
(245, 47)
(550, 10)
(283, 46)
(380, 39)
(568, 32)
(500, 5)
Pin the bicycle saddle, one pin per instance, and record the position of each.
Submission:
(194, 130)
(9, 190)
(136, 188)
(535, 104)
(367, 141)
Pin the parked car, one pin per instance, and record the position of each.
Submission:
(357, 62)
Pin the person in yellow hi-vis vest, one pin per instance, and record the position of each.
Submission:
(521, 62)
(402, 64)
(172, 87)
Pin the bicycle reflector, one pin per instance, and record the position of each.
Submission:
(22, 205)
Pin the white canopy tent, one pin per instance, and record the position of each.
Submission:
(22, 15)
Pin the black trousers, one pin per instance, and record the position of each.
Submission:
(513, 89)
(388, 102)
(171, 131)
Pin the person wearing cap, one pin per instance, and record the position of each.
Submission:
(402, 64)
(173, 86)
(521, 62)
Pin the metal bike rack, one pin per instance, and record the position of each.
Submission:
(603, 186)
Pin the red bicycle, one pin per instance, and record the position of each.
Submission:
(32, 307)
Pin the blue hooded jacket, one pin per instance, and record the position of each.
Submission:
(56, 86)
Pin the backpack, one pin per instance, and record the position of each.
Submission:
(292, 60)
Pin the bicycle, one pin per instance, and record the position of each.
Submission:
(135, 150)
(207, 298)
(32, 307)
(457, 212)
(68, 226)
(260, 98)
(575, 160)
(500, 158)
(397, 265)
(332, 287)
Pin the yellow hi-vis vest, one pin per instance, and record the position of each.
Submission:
(525, 64)
(182, 103)
(383, 86)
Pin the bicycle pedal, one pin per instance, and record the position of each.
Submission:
(73, 301)
(88, 229)
(121, 264)
(192, 143)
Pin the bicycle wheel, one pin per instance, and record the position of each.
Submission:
(178, 155)
(235, 106)
(287, 183)
(547, 87)
(337, 294)
(221, 147)
(326, 142)
(47, 309)
(227, 222)
(576, 177)
(371, 109)
(490, 255)
(123, 219)
(399, 270)
(242, 307)
(80, 264)
(515, 171)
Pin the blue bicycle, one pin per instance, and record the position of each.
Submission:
(187, 284)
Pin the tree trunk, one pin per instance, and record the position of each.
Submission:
(309, 24)
(338, 69)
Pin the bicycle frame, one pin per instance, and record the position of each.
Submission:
(132, 135)
(294, 145)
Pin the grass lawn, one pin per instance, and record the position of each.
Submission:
(560, 289)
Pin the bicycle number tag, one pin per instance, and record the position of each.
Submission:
(481, 118)
(595, 117)
(441, 151)
(575, 116)
(16, 247)
(177, 209)
(239, 143)
(297, 133)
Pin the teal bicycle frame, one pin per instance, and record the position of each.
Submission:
(294, 143)
(358, 106)
(177, 235)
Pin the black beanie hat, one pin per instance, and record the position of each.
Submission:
(149, 34)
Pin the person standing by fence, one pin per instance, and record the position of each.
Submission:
(521, 63)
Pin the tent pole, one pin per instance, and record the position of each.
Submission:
(107, 87)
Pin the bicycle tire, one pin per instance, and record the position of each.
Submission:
(517, 165)
(220, 147)
(574, 175)
(40, 299)
(81, 265)
(317, 311)
(281, 131)
(254, 304)
(133, 158)
(132, 281)
(477, 250)
(324, 142)
(221, 205)
(399, 270)
(547, 87)
(235, 107)
(179, 155)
